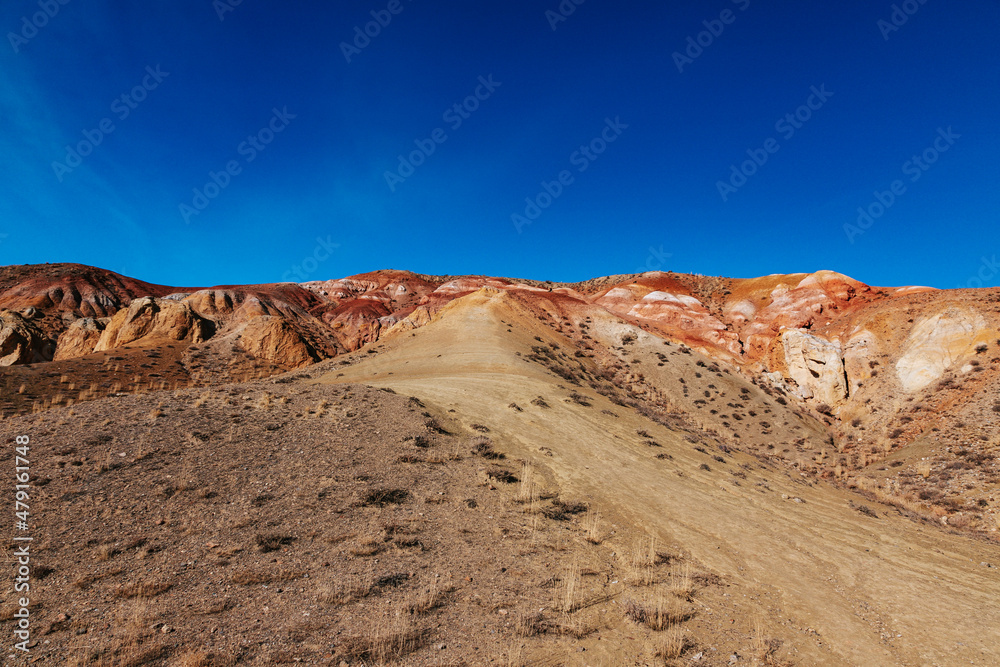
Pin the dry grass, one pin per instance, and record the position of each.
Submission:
(388, 639)
(529, 624)
(762, 650)
(527, 491)
(106, 552)
(429, 599)
(348, 589)
(594, 528)
(571, 589)
(671, 645)
(660, 614)
(130, 645)
(513, 658)
(642, 558)
(681, 582)
(196, 658)
(264, 577)
(365, 547)
(143, 589)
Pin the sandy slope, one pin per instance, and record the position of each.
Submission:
(838, 586)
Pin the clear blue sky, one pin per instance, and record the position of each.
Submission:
(655, 187)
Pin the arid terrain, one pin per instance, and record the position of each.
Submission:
(395, 468)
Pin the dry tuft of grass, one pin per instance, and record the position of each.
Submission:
(388, 639)
(128, 648)
(513, 658)
(529, 624)
(571, 589)
(594, 529)
(681, 582)
(527, 492)
(106, 552)
(642, 560)
(429, 599)
(763, 650)
(366, 546)
(671, 645)
(660, 614)
(347, 589)
(143, 589)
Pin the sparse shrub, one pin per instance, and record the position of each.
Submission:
(867, 511)
(383, 497)
(483, 446)
(501, 475)
(268, 542)
(434, 426)
(561, 511)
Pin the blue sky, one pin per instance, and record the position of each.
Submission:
(658, 133)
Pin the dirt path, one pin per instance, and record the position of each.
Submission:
(838, 586)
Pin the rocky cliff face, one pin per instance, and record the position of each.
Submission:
(81, 338)
(816, 365)
(151, 321)
(21, 341)
(937, 342)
